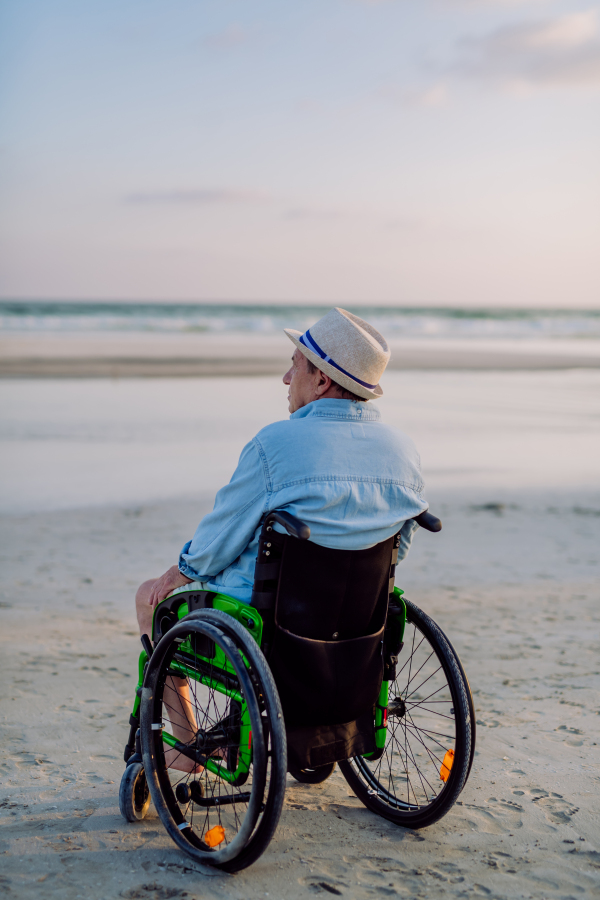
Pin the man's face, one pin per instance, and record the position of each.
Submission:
(302, 384)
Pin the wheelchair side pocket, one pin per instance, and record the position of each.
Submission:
(326, 682)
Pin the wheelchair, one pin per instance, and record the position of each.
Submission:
(329, 665)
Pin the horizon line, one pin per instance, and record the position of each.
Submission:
(266, 303)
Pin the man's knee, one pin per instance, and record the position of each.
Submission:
(143, 592)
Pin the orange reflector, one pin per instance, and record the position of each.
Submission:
(385, 717)
(447, 765)
(215, 836)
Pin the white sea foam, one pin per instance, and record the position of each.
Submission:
(221, 319)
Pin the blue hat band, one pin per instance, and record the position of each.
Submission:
(309, 342)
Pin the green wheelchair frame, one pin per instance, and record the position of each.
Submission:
(216, 651)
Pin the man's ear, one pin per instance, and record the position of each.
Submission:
(323, 384)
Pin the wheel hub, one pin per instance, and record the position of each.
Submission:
(397, 708)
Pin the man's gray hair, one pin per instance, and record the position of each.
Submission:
(344, 393)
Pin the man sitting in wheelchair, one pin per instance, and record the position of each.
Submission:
(324, 612)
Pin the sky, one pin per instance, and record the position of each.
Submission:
(410, 152)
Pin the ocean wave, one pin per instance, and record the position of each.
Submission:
(394, 322)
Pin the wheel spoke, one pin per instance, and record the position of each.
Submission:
(404, 783)
(412, 653)
(433, 674)
(416, 733)
(414, 675)
(434, 734)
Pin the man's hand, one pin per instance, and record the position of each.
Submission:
(163, 586)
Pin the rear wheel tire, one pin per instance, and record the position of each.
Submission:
(470, 701)
(134, 795)
(273, 724)
(216, 817)
(429, 714)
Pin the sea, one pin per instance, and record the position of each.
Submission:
(56, 317)
(491, 436)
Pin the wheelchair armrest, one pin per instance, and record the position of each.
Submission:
(291, 524)
(428, 521)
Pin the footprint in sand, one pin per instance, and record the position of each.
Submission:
(153, 891)
(447, 872)
(570, 736)
(498, 816)
(75, 813)
(321, 886)
(555, 807)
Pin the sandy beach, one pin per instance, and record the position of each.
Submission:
(138, 354)
(511, 464)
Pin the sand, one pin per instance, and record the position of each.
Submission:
(512, 579)
(114, 355)
(527, 821)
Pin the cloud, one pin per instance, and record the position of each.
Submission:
(561, 52)
(299, 213)
(486, 4)
(404, 223)
(434, 95)
(229, 37)
(468, 4)
(199, 197)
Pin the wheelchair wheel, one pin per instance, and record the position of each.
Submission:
(213, 740)
(134, 796)
(471, 702)
(311, 776)
(425, 762)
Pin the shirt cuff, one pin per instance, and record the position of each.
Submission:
(186, 569)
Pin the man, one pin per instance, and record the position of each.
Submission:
(333, 464)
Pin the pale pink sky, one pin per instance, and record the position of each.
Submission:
(410, 151)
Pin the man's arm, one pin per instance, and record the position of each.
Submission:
(406, 535)
(224, 533)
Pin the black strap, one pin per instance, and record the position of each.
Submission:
(267, 571)
(394, 560)
(263, 599)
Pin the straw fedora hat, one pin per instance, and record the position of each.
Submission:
(346, 348)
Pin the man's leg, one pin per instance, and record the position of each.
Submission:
(176, 696)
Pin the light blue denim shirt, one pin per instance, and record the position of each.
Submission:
(334, 465)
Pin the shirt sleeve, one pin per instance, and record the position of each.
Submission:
(406, 535)
(224, 533)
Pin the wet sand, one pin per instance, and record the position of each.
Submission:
(514, 586)
(178, 355)
(67, 443)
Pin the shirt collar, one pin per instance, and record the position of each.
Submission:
(339, 409)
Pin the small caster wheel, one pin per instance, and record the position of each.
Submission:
(134, 794)
(186, 792)
(311, 776)
(197, 792)
(183, 794)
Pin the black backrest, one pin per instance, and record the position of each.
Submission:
(318, 583)
(327, 594)
(324, 612)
